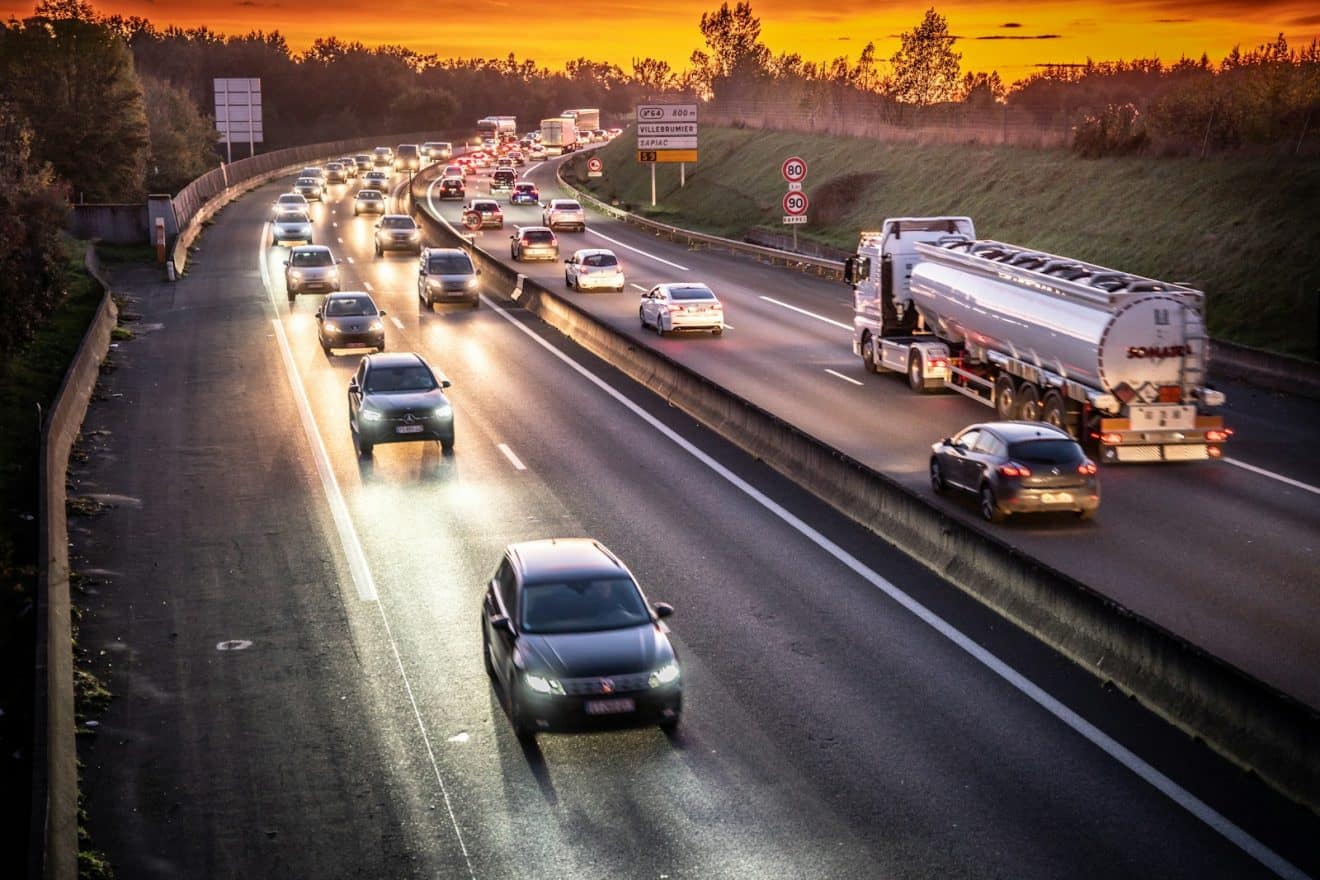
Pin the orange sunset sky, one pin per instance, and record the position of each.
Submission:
(1008, 37)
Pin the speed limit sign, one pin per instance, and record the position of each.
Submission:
(794, 169)
(795, 203)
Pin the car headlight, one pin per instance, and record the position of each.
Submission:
(543, 685)
(415, 233)
(376, 325)
(443, 411)
(370, 415)
(472, 283)
(667, 674)
(296, 274)
(331, 328)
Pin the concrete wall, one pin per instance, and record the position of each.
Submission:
(112, 224)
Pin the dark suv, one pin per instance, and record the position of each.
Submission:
(502, 180)
(397, 398)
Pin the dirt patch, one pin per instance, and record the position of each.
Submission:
(831, 201)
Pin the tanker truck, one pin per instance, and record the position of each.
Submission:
(1115, 359)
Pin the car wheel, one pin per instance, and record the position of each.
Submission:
(293, 297)
(1085, 515)
(659, 326)
(989, 506)
(670, 725)
(1006, 402)
(937, 477)
(641, 316)
(516, 717)
(379, 252)
(447, 445)
(485, 650)
(568, 282)
(381, 345)
(325, 348)
(364, 449)
(718, 331)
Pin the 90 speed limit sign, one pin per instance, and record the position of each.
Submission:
(795, 203)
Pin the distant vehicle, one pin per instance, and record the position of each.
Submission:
(398, 232)
(489, 210)
(525, 193)
(382, 156)
(363, 162)
(376, 179)
(436, 151)
(517, 157)
(593, 269)
(564, 214)
(310, 268)
(452, 188)
(349, 165)
(685, 306)
(586, 119)
(447, 274)
(491, 127)
(315, 171)
(398, 398)
(291, 226)
(502, 180)
(537, 152)
(407, 157)
(570, 640)
(614, 132)
(598, 134)
(309, 188)
(534, 243)
(334, 173)
(457, 169)
(290, 202)
(558, 135)
(1017, 467)
(350, 319)
(368, 201)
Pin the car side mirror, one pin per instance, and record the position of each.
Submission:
(353, 385)
(286, 264)
(663, 610)
(445, 383)
(476, 271)
(947, 441)
(500, 623)
(382, 313)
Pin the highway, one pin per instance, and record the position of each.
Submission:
(1221, 553)
(291, 632)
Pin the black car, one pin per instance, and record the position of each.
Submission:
(350, 320)
(452, 188)
(1017, 467)
(570, 640)
(397, 398)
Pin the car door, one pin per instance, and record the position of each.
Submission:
(571, 269)
(648, 305)
(962, 470)
(501, 599)
(356, 390)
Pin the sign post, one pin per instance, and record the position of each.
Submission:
(794, 170)
(238, 112)
(667, 133)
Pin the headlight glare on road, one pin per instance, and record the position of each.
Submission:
(370, 415)
(543, 685)
(667, 674)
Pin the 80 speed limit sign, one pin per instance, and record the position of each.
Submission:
(794, 169)
(795, 203)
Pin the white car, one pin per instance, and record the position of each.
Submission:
(684, 306)
(593, 269)
(290, 201)
(290, 227)
(564, 213)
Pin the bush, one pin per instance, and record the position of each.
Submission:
(1118, 130)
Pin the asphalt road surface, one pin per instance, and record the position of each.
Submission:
(291, 634)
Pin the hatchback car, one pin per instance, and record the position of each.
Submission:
(309, 188)
(350, 320)
(376, 179)
(364, 162)
(670, 307)
(564, 214)
(593, 269)
(335, 173)
(291, 226)
(570, 640)
(368, 201)
(534, 243)
(398, 398)
(310, 268)
(447, 274)
(291, 202)
(456, 169)
(489, 211)
(525, 193)
(502, 180)
(452, 188)
(398, 232)
(1017, 467)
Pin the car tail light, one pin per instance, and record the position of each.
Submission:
(1111, 438)
(1216, 436)
(674, 308)
(1013, 469)
(1087, 469)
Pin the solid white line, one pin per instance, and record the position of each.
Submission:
(397, 322)
(793, 308)
(843, 377)
(1273, 476)
(513, 459)
(638, 250)
(639, 287)
(1110, 746)
(357, 560)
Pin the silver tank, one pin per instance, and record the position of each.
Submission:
(1139, 340)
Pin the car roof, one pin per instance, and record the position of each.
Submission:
(679, 285)
(348, 294)
(310, 247)
(556, 558)
(588, 252)
(485, 202)
(563, 201)
(434, 251)
(522, 229)
(1017, 431)
(397, 217)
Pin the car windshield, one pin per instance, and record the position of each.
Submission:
(539, 236)
(292, 199)
(449, 264)
(488, 207)
(292, 217)
(690, 293)
(1058, 451)
(398, 223)
(582, 606)
(349, 307)
(311, 258)
(307, 181)
(369, 195)
(599, 260)
(403, 379)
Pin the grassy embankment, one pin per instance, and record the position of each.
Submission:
(1241, 228)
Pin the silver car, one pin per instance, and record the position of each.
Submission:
(368, 201)
(310, 188)
(291, 226)
(593, 269)
(335, 173)
(376, 179)
(398, 232)
(564, 213)
(290, 202)
(310, 268)
(686, 306)
(447, 274)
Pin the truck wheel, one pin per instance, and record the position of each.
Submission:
(1029, 402)
(1053, 410)
(1006, 406)
(915, 368)
(868, 354)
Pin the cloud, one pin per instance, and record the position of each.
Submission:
(1011, 24)
(1172, 20)
(1023, 37)
(1306, 21)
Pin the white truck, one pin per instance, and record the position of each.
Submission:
(1113, 358)
(586, 119)
(559, 135)
(495, 126)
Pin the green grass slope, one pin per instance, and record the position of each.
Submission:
(1243, 229)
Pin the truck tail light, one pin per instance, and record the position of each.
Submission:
(1013, 469)
(1111, 438)
(1216, 436)
(939, 363)
(1214, 451)
(1088, 469)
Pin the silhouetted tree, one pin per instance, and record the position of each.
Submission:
(925, 68)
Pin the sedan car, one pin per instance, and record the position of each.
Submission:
(291, 226)
(452, 188)
(686, 306)
(335, 173)
(593, 269)
(1017, 467)
(291, 202)
(525, 193)
(570, 640)
(364, 162)
(398, 232)
(350, 320)
(368, 201)
(397, 398)
(309, 188)
(564, 214)
(534, 243)
(446, 274)
(537, 152)
(376, 179)
(310, 268)
(489, 211)
(349, 166)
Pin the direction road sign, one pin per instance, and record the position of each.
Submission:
(666, 143)
(666, 112)
(661, 129)
(663, 156)
(795, 203)
(794, 169)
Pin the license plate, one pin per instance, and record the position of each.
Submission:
(409, 429)
(1056, 497)
(610, 707)
(1177, 417)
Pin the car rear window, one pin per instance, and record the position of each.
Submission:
(582, 606)
(568, 206)
(525, 188)
(1058, 451)
(398, 223)
(312, 258)
(539, 236)
(449, 264)
(690, 293)
(485, 206)
(599, 260)
(406, 378)
(349, 307)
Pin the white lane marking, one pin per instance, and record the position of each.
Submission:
(841, 376)
(513, 459)
(793, 308)
(357, 560)
(340, 240)
(350, 259)
(638, 251)
(334, 223)
(1185, 799)
(366, 285)
(1296, 484)
(639, 287)
(397, 322)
